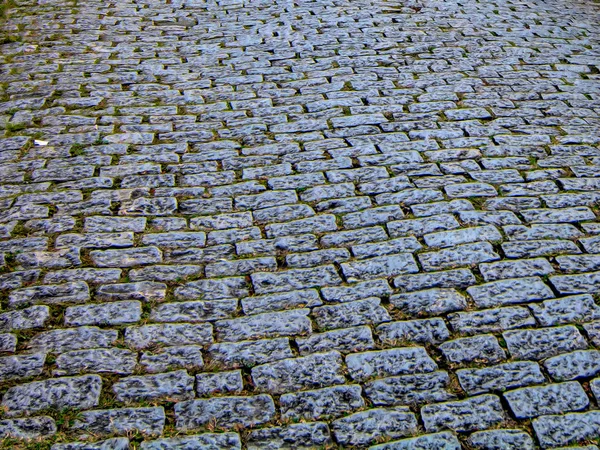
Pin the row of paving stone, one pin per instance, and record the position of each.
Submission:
(251, 224)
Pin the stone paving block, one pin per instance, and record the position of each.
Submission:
(569, 366)
(205, 440)
(108, 360)
(534, 344)
(409, 389)
(550, 399)
(24, 319)
(498, 439)
(380, 267)
(294, 436)
(327, 402)
(116, 313)
(491, 320)
(503, 376)
(475, 413)
(357, 291)
(350, 314)
(290, 375)
(28, 428)
(200, 311)
(482, 349)
(169, 358)
(146, 336)
(344, 340)
(570, 428)
(265, 283)
(461, 255)
(177, 385)
(284, 323)
(572, 309)
(67, 339)
(71, 392)
(424, 331)
(281, 301)
(429, 302)
(149, 421)
(458, 278)
(227, 412)
(21, 366)
(397, 361)
(365, 427)
(208, 384)
(444, 440)
(506, 292)
(249, 353)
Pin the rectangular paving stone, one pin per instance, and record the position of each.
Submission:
(213, 289)
(96, 360)
(366, 427)
(544, 342)
(576, 284)
(457, 278)
(204, 440)
(570, 428)
(409, 389)
(330, 402)
(397, 361)
(230, 382)
(345, 340)
(66, 339)
(575, 308)
(298, 435)
(550, 399)
(420, 227)
(577, 364)
(72, 392)
(514, 438)
(116, 313)
(265, 283)
(200, 311)
(28, 428)
(483, 349)
(149, 421)
(357, 291)
(146, 336)
(491, 320)
(380, 267)
(24, 319)
(445, 440)
(290, 375)
(511, 291)
(515, 269)
(177, 385)
(430, 302)
(350, 314)
(424, 331)
(55, 294)
(284, 323)
(227, 412)
(461, 255)
(500, 377)
(474, 413)
(21, 366)
(232, 355)
(463, 236)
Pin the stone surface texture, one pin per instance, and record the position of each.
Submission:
(252, 224)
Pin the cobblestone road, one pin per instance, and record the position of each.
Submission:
(312, 224)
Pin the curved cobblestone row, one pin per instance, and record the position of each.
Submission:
(313, 224)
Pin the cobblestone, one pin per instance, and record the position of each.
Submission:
(219, 220)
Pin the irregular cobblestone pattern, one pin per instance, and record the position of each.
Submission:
(315, 224)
